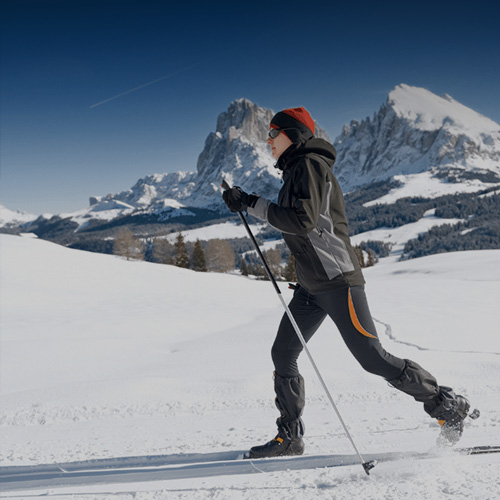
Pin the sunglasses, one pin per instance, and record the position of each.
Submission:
(274, 132)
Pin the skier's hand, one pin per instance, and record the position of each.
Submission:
(237, 200)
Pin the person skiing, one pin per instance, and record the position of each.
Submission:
(310, 214)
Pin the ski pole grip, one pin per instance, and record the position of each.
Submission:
(226, 186)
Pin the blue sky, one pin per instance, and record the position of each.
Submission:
(59, 58)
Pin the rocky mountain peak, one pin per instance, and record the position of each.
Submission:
(413, 132)
(244, 118)
(238, 151)
(240, 134)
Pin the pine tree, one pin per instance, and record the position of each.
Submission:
(163, 251)
(257, 270)
(244, 267)
(198, 262)
(181, 255)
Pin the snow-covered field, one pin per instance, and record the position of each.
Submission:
(223, 230)
(397, 237)
(104, 358)
(425, 185)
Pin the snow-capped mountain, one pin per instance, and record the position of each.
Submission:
(12, 218)
(236, 151)
(432, 145)
(415, 132)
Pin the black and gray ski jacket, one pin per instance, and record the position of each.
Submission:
(310, 214)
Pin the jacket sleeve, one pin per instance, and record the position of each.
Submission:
(308, 188)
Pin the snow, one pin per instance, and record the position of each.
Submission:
(397, 237)
(14, 216)
(417, 132)
(104, 358)
(226, 230)
(430, 112)
(427, 186)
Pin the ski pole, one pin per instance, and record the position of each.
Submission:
(367, 466)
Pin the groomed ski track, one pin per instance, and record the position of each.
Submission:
(168, 467)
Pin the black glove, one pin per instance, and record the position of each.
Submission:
(237, 200)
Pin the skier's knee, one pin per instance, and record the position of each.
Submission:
(285, 361)
(372, 366)
(416, 382)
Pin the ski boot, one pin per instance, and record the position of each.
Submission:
(288, 442)
(278, 447)
(452, 422)
(450, 410)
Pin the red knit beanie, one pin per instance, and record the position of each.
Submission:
(297, 119)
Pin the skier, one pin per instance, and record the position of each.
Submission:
(311, 216)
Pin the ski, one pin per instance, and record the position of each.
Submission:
(168, 467)
(478, 450)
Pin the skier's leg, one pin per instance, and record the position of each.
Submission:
(288, 383)
(353, 318)
(287, 346)
(349, 310)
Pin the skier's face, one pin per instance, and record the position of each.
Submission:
(279, 144)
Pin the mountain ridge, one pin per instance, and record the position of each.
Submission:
(416, 145)
(414, 131)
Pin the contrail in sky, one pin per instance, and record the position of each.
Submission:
(143, 85)
(208, 59)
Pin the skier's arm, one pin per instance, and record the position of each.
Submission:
(308, 186)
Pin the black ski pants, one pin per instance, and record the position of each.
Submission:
(348, 308)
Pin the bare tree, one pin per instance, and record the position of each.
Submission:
(289, 273)
(219, 256)
(127, 245)
(370, 261)
(273, 259)
(359, 254)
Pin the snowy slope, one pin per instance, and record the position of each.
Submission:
(226, 230)
(14, 217)
(397, 237)
(429, 112)
(101, 357)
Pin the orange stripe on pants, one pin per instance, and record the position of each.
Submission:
(355, 321)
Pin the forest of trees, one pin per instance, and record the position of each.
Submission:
(454, 238)
(142, 238)
(218, 255)
(214, 255)
(407, 210)
(479, 228)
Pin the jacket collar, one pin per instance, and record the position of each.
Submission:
(281, 164)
